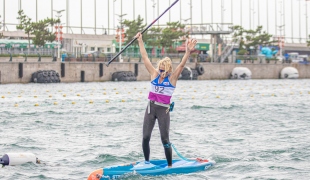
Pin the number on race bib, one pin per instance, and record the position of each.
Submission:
(159, 89)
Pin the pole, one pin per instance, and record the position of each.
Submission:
(95, 17)
(275, 5)
(114, 14)
(299, 24)
(81, 18)
(241, 13)
(58, 43)
(36, 10)
(134, 9)
(292, 20)
(108, 17)
(307, 20)
(107, 64)
(3, 25)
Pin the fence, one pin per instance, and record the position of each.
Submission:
(97, 56)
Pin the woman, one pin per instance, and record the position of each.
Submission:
(163, 83)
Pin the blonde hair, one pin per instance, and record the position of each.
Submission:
(166, 62)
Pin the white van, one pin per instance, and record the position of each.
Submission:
(293, 57)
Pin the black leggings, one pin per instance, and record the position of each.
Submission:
(159, 113)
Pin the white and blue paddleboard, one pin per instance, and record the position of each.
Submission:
(153, 168)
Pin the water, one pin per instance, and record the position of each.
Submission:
(254, 129)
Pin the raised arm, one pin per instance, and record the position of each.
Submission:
(145, 57)
(189, 46)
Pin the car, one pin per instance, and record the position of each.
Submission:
(293, 57)
(90, 54)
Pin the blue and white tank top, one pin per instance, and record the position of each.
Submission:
(161, 92)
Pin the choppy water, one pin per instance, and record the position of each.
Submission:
(255, 129)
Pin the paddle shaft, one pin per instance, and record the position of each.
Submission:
(133, 40)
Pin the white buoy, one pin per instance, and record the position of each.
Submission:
(241, 73)
(12, 159)
(289, 73)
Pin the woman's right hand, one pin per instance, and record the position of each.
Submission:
(139, 37)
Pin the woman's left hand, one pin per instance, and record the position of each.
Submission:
(190, 44)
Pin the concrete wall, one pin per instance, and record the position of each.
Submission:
(259, 71)
(9, 71)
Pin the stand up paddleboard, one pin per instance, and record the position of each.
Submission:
(152, 168)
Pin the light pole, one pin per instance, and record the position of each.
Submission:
(1, 34)
(222, 13)
(307, 35)
(281, 38)
(58, 15)
(191, 6)
(0, 22)
(120, 35)
(114, 14)
(185, 20)
(154, 4)
(253, 16)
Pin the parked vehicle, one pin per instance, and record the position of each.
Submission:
(294, 57)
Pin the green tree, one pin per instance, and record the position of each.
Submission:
(24, 24)
(41, 32)
(133, 27)
(155, 36)
(38, 29)
(252, 38)
(173, 32)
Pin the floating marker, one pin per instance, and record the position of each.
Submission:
(55, 103)
(35, 96)
(91, 102)
(16, 105)
(64, 95)
(2, 96)
(12, 159)
(78, 95)
(73, 102)
(123, 100)
(107, 101)
(50, 96)
(116, 93)
(36, 104)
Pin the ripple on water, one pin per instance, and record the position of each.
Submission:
(257, 129)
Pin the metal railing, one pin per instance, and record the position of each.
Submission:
(134, 57)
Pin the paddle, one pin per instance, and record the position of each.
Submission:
(133, 40)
